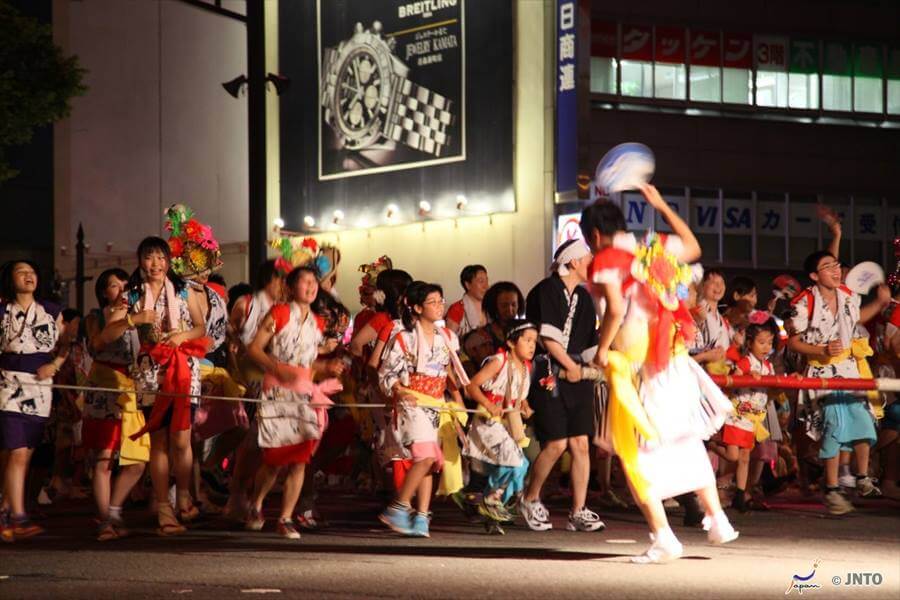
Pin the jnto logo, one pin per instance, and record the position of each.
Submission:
(803, 582)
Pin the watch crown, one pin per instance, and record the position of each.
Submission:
(358, 28)
(376, 27)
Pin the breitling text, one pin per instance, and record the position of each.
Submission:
(423, 8)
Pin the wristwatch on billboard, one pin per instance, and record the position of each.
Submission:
(369, 102)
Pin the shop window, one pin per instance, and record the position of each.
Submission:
(603, 75)
(670, 81)
(706, 83)
(736, 86)
(893, 96)
(803, 90)
(771, 88)
(836, 94)
(867, 94)
(637, 78)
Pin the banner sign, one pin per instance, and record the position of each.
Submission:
(566, 97)
(387, 106)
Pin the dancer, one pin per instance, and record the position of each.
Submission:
(496, 439)
(417, 364)
(110, 418)
(171, 328)
(31, 351)
(287, 346)
(644, 330)
(466, 314)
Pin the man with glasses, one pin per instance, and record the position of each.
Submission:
(827, 330)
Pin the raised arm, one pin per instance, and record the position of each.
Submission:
(690, 251)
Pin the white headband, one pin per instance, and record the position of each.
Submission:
(573, 251)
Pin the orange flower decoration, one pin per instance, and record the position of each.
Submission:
(662, 270)
(176, 247)
(193, 230)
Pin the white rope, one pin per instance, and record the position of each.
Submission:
(85, 388)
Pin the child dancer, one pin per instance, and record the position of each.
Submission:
(713, 334)
(417, 364)
(496, 440)
(678, 406)
(287, 347)
(747, 426)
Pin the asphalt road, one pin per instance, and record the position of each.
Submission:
(355, 557)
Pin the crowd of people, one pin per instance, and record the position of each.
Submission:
(200, 401)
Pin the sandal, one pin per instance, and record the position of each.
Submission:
(186, 515)
(107, 532)
(168, 524)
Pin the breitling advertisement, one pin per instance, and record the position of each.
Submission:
(404, 101)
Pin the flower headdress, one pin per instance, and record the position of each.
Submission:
(894, 278)
(194, 248)
(371, 270)
(299, 251)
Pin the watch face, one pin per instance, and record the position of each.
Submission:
(361, 85)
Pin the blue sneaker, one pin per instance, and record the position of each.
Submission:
(398, 519)
(420, 524)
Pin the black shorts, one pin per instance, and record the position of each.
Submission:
(568, 413)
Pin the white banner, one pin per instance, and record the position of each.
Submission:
(804, 220)
(770, 219)
(868, 222)
(705, 215)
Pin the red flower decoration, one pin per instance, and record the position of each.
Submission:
(311, 244)
(193, 230)
(662, 270)
(284, 266)
(176, 247)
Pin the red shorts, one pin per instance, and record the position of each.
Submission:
(735, 436)
(101, 434)
(289, 455)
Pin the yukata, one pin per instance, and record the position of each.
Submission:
(468, 313)
(838, 419)
(27, 339)
(256, 308)
(150, 375)
(217, 416)
(749, 422)
(562, 409)
(429, 429)
(102, 422)
(289, 429)
(713, 331)
(493, 450)
(676, 405)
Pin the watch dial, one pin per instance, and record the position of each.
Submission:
(358, 97)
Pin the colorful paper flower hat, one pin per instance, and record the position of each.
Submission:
(371, 270)
(195, 251)
(299, 251)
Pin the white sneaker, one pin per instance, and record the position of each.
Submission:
(665, 548)
(585, 519)
(720, 530)
(847, 481)
(536, 515)
(866, 488)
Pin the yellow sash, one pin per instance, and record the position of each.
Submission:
(758, 420)
(221, 379)
(451, 421)
(131, 452)
(859, 350)
(627, 419)
(522, 442)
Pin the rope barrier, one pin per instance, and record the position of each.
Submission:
(86, 388)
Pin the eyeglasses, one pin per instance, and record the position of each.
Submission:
(440, 302)
(829, 266)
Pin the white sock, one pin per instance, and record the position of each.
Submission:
(115, 513)
(843, 470)
(666, 536)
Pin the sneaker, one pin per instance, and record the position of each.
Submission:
(866, 488)
(397, 518)
(585, 519)
(611, 500)
(23, 528)
(719, 530)
(494, 510)
(740, 501)
(665, 548)
(837, 503)
(468, 503)
(287, 530)
(847, 481)
(420, 523)
(307, 520)
(536, 515)
(255, 520)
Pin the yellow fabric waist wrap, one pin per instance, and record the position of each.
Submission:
(449, 429)
(859, 350)
(131, 452)
(627, 419)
